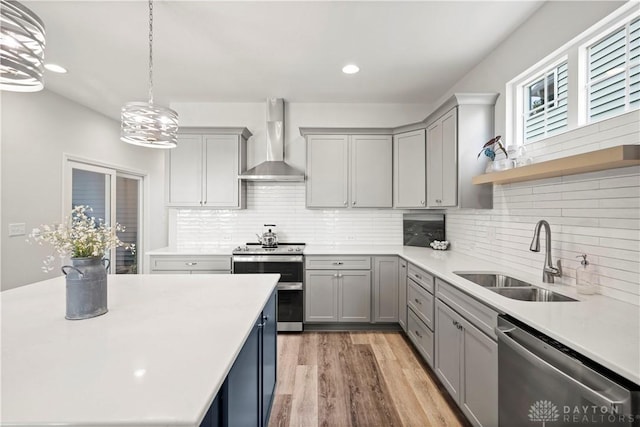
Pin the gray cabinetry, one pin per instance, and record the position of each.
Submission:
(409, 170)
(466, 357)
(385, 289)
(371, 171)
(419, 306)
(349, 171)
(354, 296)
(402, 294)
(327, 171)
(203, 169)
(337, 289)
(455, 133)
(442, 161)
(321, 296)
(190, 264)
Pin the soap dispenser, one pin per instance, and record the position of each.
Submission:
(585, 280)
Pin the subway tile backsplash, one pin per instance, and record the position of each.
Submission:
(283, 204)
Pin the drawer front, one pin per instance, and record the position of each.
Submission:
(421, 277)
(421, 302)
(193, 263)
(338, 263)
(481, 316)
(421, 336)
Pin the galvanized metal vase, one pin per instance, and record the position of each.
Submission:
(86, 287)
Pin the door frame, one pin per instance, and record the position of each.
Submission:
(70, 160)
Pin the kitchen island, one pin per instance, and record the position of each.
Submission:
(158, 357)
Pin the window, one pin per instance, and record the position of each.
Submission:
(614, 72)
(593, 77)
(545, 109)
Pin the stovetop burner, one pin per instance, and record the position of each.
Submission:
(258, 248)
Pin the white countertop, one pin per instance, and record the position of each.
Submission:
(218, 250)
(601, 328)
(157, 358)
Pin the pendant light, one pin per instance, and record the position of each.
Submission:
(147, 124)
(22, 45)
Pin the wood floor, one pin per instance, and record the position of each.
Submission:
(357, 379)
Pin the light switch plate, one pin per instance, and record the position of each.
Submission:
(17, 229)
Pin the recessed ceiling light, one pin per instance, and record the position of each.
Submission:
(350, 69)
(55, 68)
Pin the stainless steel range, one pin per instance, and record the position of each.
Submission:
(287, 259)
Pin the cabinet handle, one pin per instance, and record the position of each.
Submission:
(422, 202)
(418, 276)
(335, 275)
(417, 301)
(265, 319)
(191, 263)
(455, 323)
(200, 202)
(418, 334)
(338, 263)
(205, 202)
(459, 326)
(353, 203)
(345, 203)
(339, 275)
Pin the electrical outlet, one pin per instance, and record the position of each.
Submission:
(17, 229)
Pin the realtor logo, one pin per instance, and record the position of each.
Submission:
(543, 411)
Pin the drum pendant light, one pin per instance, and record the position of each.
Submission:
(147, 124)
(22, 42)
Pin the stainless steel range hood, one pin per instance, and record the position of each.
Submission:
(275, 168)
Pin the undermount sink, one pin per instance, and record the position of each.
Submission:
(513, 288)
(531, 294)
(494, 280)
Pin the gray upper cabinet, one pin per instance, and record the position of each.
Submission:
(327, 171)
(203, 169)
(349, 171)
(409, 170)
(371, 171)
(456, 131)
(385, 289)
(442, 161)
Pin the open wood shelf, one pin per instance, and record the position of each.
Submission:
(609, 158)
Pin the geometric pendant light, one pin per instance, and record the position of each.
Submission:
(147, 124)
(22, 42)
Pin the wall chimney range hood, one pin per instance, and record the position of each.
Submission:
(274, 168)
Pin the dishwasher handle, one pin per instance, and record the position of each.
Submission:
(616, 406)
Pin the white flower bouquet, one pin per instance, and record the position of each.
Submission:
(79, 237)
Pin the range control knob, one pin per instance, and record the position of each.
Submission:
(290, 249)
(298, 249)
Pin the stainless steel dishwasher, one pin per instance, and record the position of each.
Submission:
(542, 382)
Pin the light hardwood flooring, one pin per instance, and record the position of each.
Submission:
(357, 379)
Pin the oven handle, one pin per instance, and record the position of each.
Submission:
(503, 336)
(289, 286)
(267, 258)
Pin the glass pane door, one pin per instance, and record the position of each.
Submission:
(128, 215)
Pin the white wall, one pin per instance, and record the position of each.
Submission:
(37, 128)
(550, 27)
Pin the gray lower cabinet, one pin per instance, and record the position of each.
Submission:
(190, 264)
(421, 336)
(402, 294)
(467, 364)
(338, 296)
(385, 289)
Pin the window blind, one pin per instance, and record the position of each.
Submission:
(614, 72)
(550, 117)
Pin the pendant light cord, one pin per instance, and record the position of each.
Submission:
(150, 51)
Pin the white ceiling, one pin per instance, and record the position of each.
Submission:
(209, 51)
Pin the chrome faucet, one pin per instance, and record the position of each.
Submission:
(549, 271)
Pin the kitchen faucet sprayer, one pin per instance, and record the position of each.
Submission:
(549, 271)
